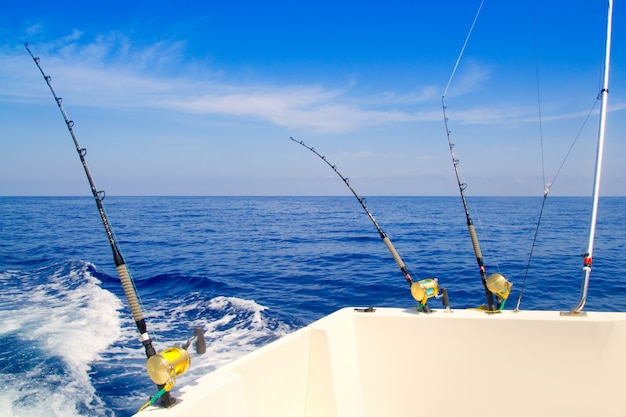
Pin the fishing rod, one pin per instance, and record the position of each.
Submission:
(164, 366)
(420, 290)
(495, 283)
(470, 226)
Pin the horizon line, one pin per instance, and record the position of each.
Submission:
(297, 195)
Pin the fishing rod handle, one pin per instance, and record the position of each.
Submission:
(477, 251)
(129, 291)
(394, 253)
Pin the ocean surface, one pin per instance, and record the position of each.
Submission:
(249, 270)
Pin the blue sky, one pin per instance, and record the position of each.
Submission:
(201, 99)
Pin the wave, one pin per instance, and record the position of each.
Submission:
(73, 343)
(248, 270)
(56, 322)
(232, 327)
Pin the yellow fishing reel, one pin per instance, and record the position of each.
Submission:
(499, 286)
(423, 290)
(165, 366)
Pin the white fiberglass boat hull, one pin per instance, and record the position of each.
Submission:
(397, 362)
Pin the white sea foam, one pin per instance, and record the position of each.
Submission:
(59, 321)
(65, 327)
(232, 327)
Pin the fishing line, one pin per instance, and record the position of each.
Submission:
(495, 283)
(543, 166)
(421, 290)
(469, 33)
(546, 191)
(547, 185)
(538, 90)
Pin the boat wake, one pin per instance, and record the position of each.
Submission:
(73, 348)
(56, 322)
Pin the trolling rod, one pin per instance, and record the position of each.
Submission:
(494, 283)
(163, 367)
(470, 223)
(120, 265)
(421, 290)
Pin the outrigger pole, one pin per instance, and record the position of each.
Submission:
(163, 367)
(421, 290)
(604, 97)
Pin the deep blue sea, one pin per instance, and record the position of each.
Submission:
(249, 270)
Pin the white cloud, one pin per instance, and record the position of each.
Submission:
(34, 29)
(112, 72)
(292, 106)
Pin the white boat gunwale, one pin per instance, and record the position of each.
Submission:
(398, 362)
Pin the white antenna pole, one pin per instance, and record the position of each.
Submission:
(604, 95)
